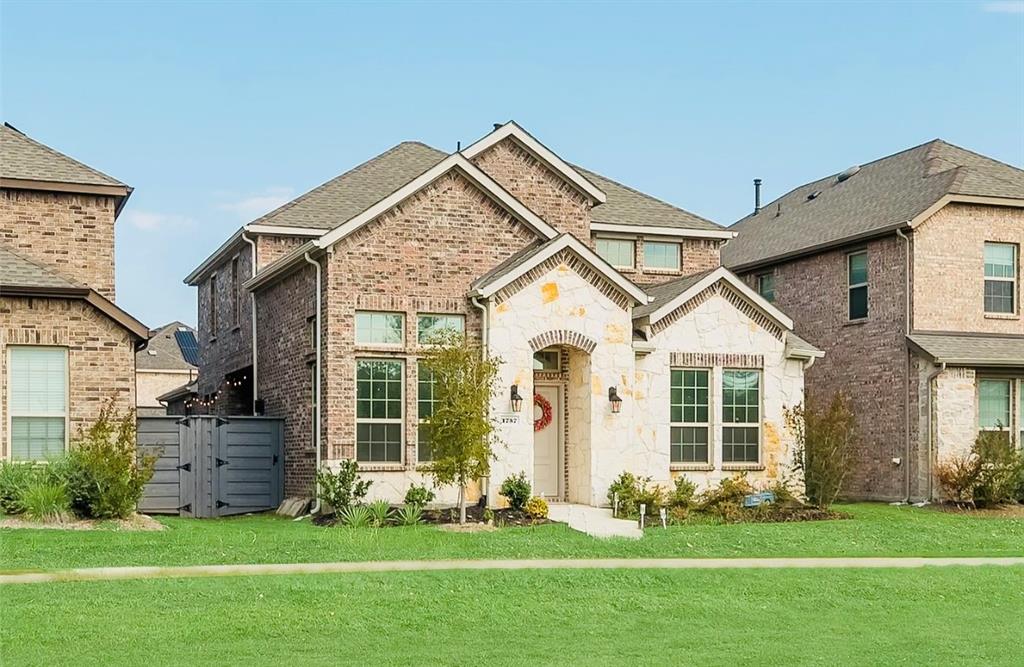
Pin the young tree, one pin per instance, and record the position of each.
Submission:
(825, 442)
(461, 431)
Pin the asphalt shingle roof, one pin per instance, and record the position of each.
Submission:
(883, 195)
(626, 206)
(971, 349)
(16, 271)
(162, 351)
(25, 158)
(665, 292)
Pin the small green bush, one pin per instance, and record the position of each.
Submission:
(634, 491)
(683, 495)
(15, 477)
(45, 500)
(409, 515)
(725, 501)
(105, 476)
(344, 488)
(516, 490)
(419, 495)
(380, 513)
(536, 508)
(356, 516)
(991, 474)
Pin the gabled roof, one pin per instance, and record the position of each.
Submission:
(178, 393)
(670, 296)
(893, 192)
(969, 349)
(523, 261)
(23, 277)
(163, 351)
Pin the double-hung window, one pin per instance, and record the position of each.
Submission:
(379, 413)
(690, 416)
(857, 284)
(994, 404)
(377, 328)
(1000, 278)
(425, 400)
(430, 326)
(236, 292)
(660, 255)
(617, 252)
(37, 403)
(766, 286)
(741, 416)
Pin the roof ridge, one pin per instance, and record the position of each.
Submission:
(56, 152)
(979, 155)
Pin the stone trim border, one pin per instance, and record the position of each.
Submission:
(713, 359)
(563, 337)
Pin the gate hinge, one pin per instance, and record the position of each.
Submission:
(187, 507)
(221, 503)
(221, 421)
(221, 462)
(275, 459)
(187, 467)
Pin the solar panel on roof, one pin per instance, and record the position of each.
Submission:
(189, 346)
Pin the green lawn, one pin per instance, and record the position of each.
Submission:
(953, 616)
(875, 530)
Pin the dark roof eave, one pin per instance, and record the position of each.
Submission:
(101, 303)
(819, 248)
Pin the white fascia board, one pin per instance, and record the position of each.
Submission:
(650, 230)
(722, 273)
(453, 161)
(283, 230)
(287, 261)
(234, 239)
(214, 258)
(585, 253)
(511, 129)
(964, 199)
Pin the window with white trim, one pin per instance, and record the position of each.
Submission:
(379, 410)
(994, 404)
(766, 286)
(690, 416)
(37, 402)
(373, 327)
(1000, 278)
(857, 284)
(617, 252)
(741, 416)
(425, 400)
(429, 326)
(661, 255)
(548, 359)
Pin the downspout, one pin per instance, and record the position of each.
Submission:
(906, 398)
(319, 380)
(928, 384)
(252, 303)
(485, 336)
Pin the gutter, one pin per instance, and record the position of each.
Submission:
(252, 303)
(319, 379)
(906, 398)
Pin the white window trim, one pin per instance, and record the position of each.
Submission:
(1008, 427)
(380, 420)
(632, 255)
(709, 425)
(460, 316)
(850, 286)
(760, 417)
(420, 420)
(364, 343)
(666, 269)
(9, 456)
(1012, 279)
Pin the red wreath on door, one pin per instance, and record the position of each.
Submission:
(546, 413)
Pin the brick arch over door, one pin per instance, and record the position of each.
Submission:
(563, 337)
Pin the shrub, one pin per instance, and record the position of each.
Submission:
(380, 512)
(682, 495)
(45, 500)
(14, 478)
(825, 440)
(409, 515)
(726, 500)
(344, 488)
(992, 473)
(957, 477)
(536, 508)
(355, 516)
(105, 476)
(634, 491)
(516, 490)
(419, 495)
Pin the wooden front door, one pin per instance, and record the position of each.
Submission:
(547, 461)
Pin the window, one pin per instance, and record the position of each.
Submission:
(1000, 278)
(38, 402)
(431, 325)
(766, 286)
(617, 252)
(213, 306)
(659, 255)
(425, 403)
(379, 410)
(993, 404)
(235, 293)
(857, 282)
(380, 328)
(547, 360)
(689, 416)
(741, 416)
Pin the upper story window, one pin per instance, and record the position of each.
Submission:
(660, 255)
(380, 328)
(213, 306)
(857, 284)
(429, 326)
(1000, 278)
(236, 290)
(37, 402)
(617, 252)
(766, 286)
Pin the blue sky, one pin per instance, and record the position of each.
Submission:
(216, 113)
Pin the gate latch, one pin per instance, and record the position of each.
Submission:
(187, 467)
(221, 462)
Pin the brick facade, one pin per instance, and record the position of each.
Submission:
(695, 256)
(71, 234)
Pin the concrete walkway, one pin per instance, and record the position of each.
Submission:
(595, 521)
(111, 573)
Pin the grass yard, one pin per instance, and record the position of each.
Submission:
(875, 530)
(951, 616)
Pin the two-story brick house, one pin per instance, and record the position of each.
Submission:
(65, 347)
(607, 307)
(906, 271)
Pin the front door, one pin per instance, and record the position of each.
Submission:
(547, 416)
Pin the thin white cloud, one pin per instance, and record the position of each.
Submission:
(1005, 7)
(253, 206)
(152, 221)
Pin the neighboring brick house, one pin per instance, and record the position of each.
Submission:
(906, 271)
(167, 365)
(65, 347)
(544, 263)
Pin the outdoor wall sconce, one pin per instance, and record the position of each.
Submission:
(613, 398)
(517, 400)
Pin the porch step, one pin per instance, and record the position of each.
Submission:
(594, 521)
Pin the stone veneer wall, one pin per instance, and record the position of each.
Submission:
(72, 234)
(101, 355)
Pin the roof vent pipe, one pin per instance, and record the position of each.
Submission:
(757, 195)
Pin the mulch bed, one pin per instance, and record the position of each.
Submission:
(781, 512)
(450, 515)
(137, 522)
(995, 512)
